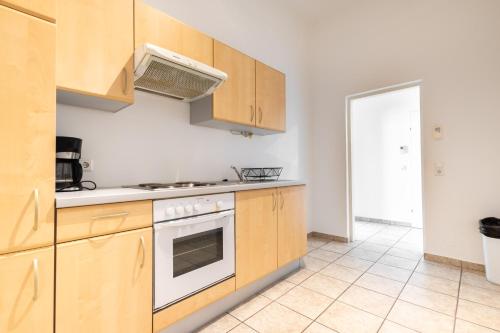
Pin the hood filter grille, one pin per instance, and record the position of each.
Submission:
(174, 80)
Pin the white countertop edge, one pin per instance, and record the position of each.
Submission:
(118, 194)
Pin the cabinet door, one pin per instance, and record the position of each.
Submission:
(95, 48)
(270, 96)
(256, 235)
(27, 291)
(27, 131)
(234, 101)
(292, 230)
(104, 284)
(155, 27)
(45, 9)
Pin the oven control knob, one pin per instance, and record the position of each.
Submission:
(170, 212)
(197, 207)
(179, 210)
(219, 204)
(189, 209)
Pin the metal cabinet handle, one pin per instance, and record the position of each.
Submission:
(36, 195)
(274, 202)
(143, 248)
(282, 201)
(107, 216)
(125, 86)
(260, 115)
(36, 279)
(252, 114)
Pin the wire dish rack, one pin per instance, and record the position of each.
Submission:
(261, 174)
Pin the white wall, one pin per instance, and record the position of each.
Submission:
(153, 140)
(386, 181)
(454, 47)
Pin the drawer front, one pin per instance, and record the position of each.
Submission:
(44, 9)
(89, 221)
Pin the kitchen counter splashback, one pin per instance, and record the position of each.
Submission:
(118, 194)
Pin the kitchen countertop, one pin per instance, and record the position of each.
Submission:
(119, 194)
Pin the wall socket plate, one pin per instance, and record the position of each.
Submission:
(438, 169)
(87, 165)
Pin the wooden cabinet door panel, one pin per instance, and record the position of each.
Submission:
(27, 131)
(104, 284)
(45, 9)
(292, 229)
(256, 235)
(234, 100)
(270, 98)
(95, 48)
(27, 291)
(155, 27)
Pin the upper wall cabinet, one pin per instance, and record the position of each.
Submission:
(44, 9)
(270, 98)
(154, 27)
(27, 131)
(95, 48)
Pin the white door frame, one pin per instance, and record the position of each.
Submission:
(348, 100)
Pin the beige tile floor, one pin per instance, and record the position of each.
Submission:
(378, 283)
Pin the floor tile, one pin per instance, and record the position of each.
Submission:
(368, 300)
(326, 285)
(318, 328)
(250, 307)
(383, 240)
(365, 254)
(277, 290)
(479, 314)
(277, 318)
(305, 301)
(390, 272)
(398, 262)
(373, 247)
(404, 253)
(353, 262)
(313, 264)
(390, 327)
(429, 299)
(439, 270)
(342, 273)
(462, 326)
(324, 255)
(409, 246)
(221, 325)
(380, 284)
(478, 279)
(315, 242)
(433, 283)
(344, 318)
(480, 295)
(299, 276)
(420, 319)
(337, 247)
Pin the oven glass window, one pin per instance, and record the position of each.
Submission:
(198, 250)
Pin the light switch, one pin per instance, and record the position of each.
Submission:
(438, 169)
(437, 132)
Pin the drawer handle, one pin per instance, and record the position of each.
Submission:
(143, 248)
(260, 115)
(252, 114)
(282, 201)
(35, 279)
(36, 194)
(125, 85)
(274, 202)
(108, 216)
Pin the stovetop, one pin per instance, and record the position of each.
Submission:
(157, 186)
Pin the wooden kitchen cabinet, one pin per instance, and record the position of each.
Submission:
(270, 98)
(234, 101)
(27, 291)
(155, 27)
(44, 9)
(104, 284)
(256, 235)
(27, 131)
(95, 48)
(292, 229)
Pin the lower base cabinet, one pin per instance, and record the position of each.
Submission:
(104, 284)
(27, 291)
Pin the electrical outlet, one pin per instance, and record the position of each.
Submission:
(438, 169)
(88, 165)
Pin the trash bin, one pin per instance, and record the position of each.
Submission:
(490, 230)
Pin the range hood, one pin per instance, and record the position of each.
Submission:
(164, 72)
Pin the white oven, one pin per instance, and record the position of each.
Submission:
(194, 245)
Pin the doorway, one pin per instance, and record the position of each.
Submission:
(384, 162)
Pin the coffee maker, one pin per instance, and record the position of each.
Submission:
(69, 171)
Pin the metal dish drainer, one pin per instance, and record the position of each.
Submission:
(261, 174)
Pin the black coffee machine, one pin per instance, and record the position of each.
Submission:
(69, 171)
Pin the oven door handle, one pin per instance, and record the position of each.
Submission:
(194, 220)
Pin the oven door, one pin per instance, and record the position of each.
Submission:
(192, 254)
